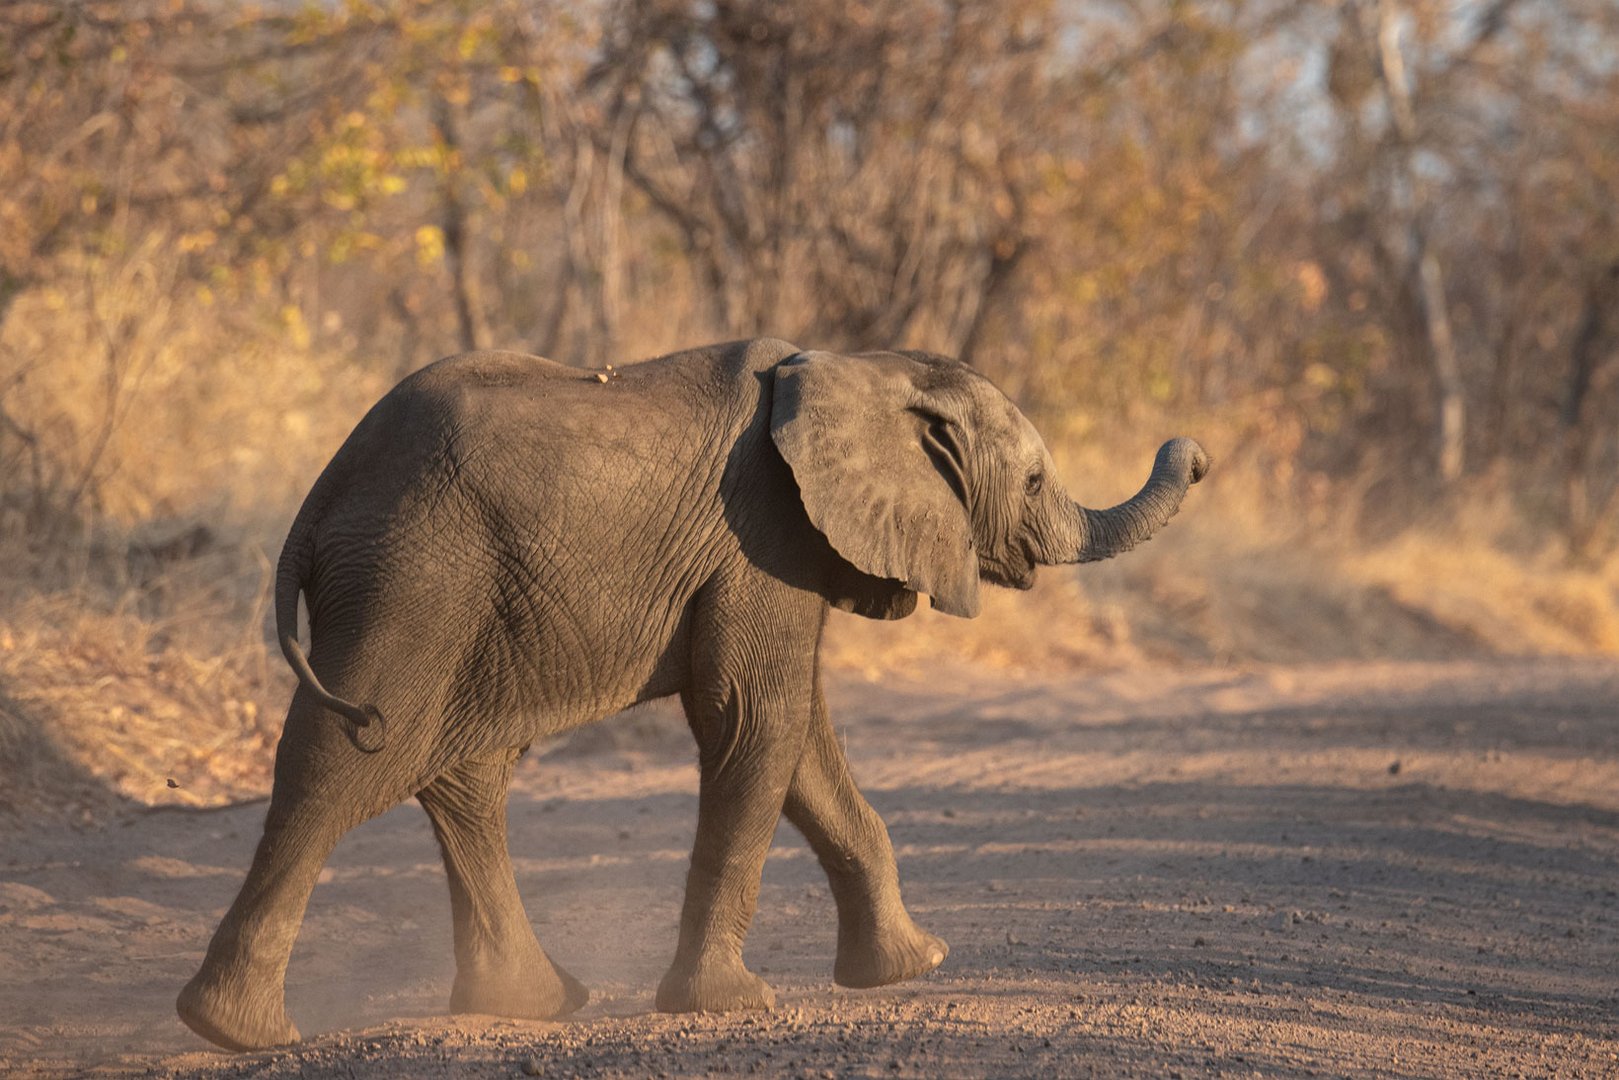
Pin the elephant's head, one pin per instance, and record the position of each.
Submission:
(917, 469)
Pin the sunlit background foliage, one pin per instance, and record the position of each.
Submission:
(1368, 251)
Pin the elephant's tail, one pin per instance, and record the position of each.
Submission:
(366, 727)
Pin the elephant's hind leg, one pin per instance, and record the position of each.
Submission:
(500, 968)
(878, 943)
(323, 788)
(237, 999)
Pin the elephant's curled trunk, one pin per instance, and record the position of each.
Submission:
(367, 729)
(1105, 533)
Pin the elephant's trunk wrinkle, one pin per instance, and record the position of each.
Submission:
(1105, 533)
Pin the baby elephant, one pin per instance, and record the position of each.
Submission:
(506, 548)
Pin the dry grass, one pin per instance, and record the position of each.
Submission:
(150, 457)
(158, 411)
(1514, 604)
(161, 693)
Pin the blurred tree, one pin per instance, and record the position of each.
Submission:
(1375, 237)
(834, 170)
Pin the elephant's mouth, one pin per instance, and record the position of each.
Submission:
(1013, 571)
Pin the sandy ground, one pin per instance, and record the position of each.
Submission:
(1367, 870)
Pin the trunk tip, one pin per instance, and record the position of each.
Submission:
(1187, 456)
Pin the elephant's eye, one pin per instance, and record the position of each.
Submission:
(1034, 483)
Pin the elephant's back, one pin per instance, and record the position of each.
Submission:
(529, 437)
(567, 435)
(499, 385)
(492, 368)
(507, 457)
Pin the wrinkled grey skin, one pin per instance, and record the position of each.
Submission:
(506, 548)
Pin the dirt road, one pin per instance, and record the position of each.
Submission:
(1376, 870)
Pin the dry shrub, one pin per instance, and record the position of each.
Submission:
(152, 455)
(28, 760)
(160, 697)
(1512, 603)
(160, 407)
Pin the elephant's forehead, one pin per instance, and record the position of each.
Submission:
(1017, 427)
(997, 420)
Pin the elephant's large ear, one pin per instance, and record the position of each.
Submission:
(880, 471)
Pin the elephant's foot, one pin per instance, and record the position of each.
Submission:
(531, 991)
(885, 956)
(713, 985)
(233, 1018)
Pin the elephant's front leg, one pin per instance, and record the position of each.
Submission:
(749, 737)
(878, 943)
